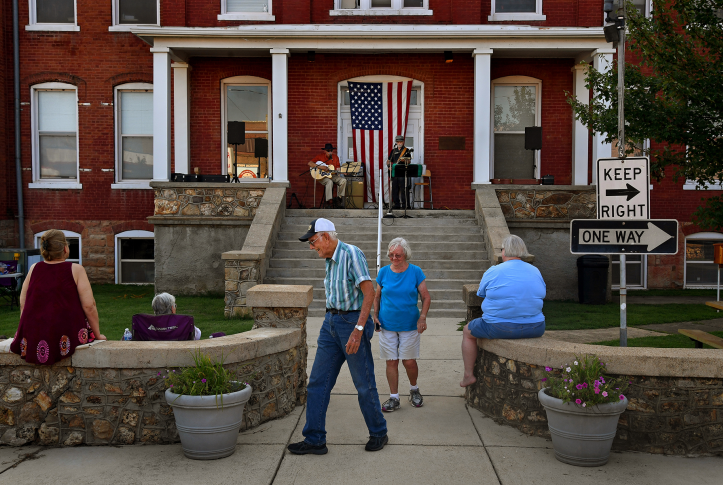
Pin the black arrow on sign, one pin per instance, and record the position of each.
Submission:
(630, 192)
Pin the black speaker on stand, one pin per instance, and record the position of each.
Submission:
(236, 135)
(261, 150)
(533, 141)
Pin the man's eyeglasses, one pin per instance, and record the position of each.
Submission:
(311, 243)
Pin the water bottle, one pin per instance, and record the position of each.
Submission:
(127, 335)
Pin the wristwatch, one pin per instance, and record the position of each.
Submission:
(359, 327)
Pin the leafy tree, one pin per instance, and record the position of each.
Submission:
(673, 94)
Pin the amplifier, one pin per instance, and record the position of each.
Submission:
(215, 178)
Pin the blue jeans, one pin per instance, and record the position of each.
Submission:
(330, 355)
(484, 329)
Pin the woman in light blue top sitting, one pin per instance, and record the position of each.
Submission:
(512, 308)
(399, 321)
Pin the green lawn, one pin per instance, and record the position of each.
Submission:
(675, 341)
(118, 303)
(568, 315)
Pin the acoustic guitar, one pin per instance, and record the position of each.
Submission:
(319, 173)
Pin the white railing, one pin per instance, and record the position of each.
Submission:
(380, 203)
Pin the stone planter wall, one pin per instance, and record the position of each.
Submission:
(550, 202)
(87, 400)
(679, 414)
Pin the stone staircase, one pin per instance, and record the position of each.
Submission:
(447, 245)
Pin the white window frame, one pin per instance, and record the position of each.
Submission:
(244, 81)
(515, 81)
(644, 269)
(365, 9)
(708, 236)
(136, 234)
(514, 16)
(34, 25)
(36, 239)
(38, 182)
(262, 16)
(119, 182)
(118, 27)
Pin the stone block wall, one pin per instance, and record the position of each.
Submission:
(240, 276)
(670, 415)
(210, 200)
(547, 202)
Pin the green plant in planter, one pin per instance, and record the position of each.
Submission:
(205, 378)
(584, 382)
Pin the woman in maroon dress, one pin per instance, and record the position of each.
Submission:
(57, 308)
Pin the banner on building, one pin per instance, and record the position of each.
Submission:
(379, 112)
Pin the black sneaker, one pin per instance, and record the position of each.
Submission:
(304, 448)
(376, 444)
(390, 405)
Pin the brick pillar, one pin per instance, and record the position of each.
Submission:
(284, 306)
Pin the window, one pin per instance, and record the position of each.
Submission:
(134, 259)
(55, 136)
(52, 15)
(134, 134)
(700, 270)
(129, 13)
(74, 245)
(247, 99)
(635, 271)
(516, 106)
(644, 7)
(516, 10)
(380, 7)
(246, 10)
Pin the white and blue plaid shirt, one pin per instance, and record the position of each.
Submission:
(345, 271)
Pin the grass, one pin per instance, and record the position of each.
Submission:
(568, 315)
(118, 303)
(674, 341)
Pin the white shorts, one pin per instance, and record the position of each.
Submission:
(399, 345)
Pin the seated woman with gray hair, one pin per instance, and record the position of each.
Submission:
(512, 308)
(165, 304)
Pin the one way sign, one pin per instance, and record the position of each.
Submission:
(591, 236)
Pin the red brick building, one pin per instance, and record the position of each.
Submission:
(114, 95)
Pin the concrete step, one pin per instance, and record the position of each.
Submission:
(314, 262)
(370, 225)
(373, 214)
(461, 314)
(371, 255)
(432, 284)
(422, 235)
(475, 246)
(431, 274)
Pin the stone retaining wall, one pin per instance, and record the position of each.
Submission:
(112, 393)
(547, 202)
(672, 414)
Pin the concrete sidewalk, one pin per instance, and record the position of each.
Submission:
(442, 442)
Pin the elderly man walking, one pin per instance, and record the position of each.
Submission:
(345, 336)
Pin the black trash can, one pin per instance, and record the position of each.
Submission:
(592, 279)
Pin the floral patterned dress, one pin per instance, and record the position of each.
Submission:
(53, 323)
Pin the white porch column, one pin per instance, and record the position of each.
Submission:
(279, 114)
(161, 113)
(579, 131)
(482, 116)
(603, 62)
(181, 117)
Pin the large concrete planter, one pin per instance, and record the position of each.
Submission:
(208, 425)
(581, 436)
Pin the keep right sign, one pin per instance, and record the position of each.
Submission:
(623, 188)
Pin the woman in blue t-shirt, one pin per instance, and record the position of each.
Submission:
(512, 307)
(398, 320)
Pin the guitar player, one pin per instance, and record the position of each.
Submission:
(400, 151)
(323, 161)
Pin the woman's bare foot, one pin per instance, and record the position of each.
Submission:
(467, 381)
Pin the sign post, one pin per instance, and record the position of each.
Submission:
(623, 192)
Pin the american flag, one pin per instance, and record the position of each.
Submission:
(379, 112)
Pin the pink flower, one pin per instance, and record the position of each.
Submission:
(203, 380)
(597, 390)
(622, 397)
(543, 379)
(584, 384)
(584, 405)
(548, 369)
(578, 401)
(602, 379)
(605, 394)
(579, 386)
(596, 383)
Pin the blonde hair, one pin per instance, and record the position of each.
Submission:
(52, 245)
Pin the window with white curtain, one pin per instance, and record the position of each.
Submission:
(380, 7)
(52, 15)
(246, 10)
(516, 10)
(54, 135)
(134, 132)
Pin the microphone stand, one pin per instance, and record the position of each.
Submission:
(389, 214)
(235, 165)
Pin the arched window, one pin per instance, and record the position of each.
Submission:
(134, 257)
(700, 270)
(75, 245)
